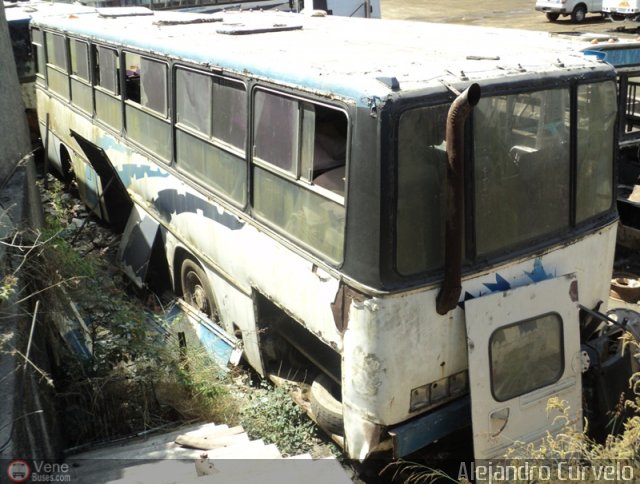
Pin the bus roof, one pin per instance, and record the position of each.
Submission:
(345, 57)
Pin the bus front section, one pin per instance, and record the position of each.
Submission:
(536, 238)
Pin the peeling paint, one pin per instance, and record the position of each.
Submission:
(367, 373)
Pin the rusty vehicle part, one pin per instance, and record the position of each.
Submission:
(625, 286)
(196, 288)
(451, 286)
(611, 366)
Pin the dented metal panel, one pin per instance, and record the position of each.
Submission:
(138, 239)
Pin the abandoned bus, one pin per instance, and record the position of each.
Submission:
(414, 217)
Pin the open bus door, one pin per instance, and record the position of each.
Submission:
(523, 348)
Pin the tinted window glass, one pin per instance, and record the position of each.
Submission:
(276, 130)
(596, 121)
(107, 69)
(229, 112)
(521, 168)
(57, 50)
(79, 59)
(193, 100)
(422, 164)
(153, 87)
(525, 356)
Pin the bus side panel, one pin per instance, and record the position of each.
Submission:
(53, 142)
(236, 309)
(249, 257)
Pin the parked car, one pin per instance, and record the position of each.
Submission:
(578, 9)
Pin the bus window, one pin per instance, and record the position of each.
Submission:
(146, 108)
(80, 80)
(107, 92)
(57, 64)
(230, 113)
(211, 132)
(79, 59)
(422, 165)
(534, 348)
(596, 121)
(38, 52)
(193, 100)
(297, 140)
(324, 147)
(515, 199)
(276, 131)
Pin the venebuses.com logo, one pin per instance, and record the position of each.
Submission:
(18, 471)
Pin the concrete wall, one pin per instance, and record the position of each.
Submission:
(14, 132)
(27, 408)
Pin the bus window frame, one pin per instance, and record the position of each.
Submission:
(299, 177)
(105, 91)
(299, 181)
(54, 67)
(242, 155)
(472, 262)
(40, 54)
(88, 83)
(166, 118)
(209, 137)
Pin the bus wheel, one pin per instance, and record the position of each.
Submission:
(195, 288)
(325, 407)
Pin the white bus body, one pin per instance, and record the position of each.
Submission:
(348, 263)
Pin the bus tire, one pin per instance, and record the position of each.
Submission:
(326, 409)
(196, 290)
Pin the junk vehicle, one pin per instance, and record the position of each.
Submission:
(427, 223)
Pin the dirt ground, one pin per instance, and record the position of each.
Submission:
(499, 13)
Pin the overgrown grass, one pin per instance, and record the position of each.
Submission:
(271, 414)
(138, 376)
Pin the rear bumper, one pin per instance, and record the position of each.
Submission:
(560, 10)
(419, 432)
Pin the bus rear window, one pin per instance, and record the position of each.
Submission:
(518, 173)
(422, 165)
(521, 168)
(596, 121)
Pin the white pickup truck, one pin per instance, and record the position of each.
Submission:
(578, 9)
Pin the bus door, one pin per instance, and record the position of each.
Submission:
(523, 349)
